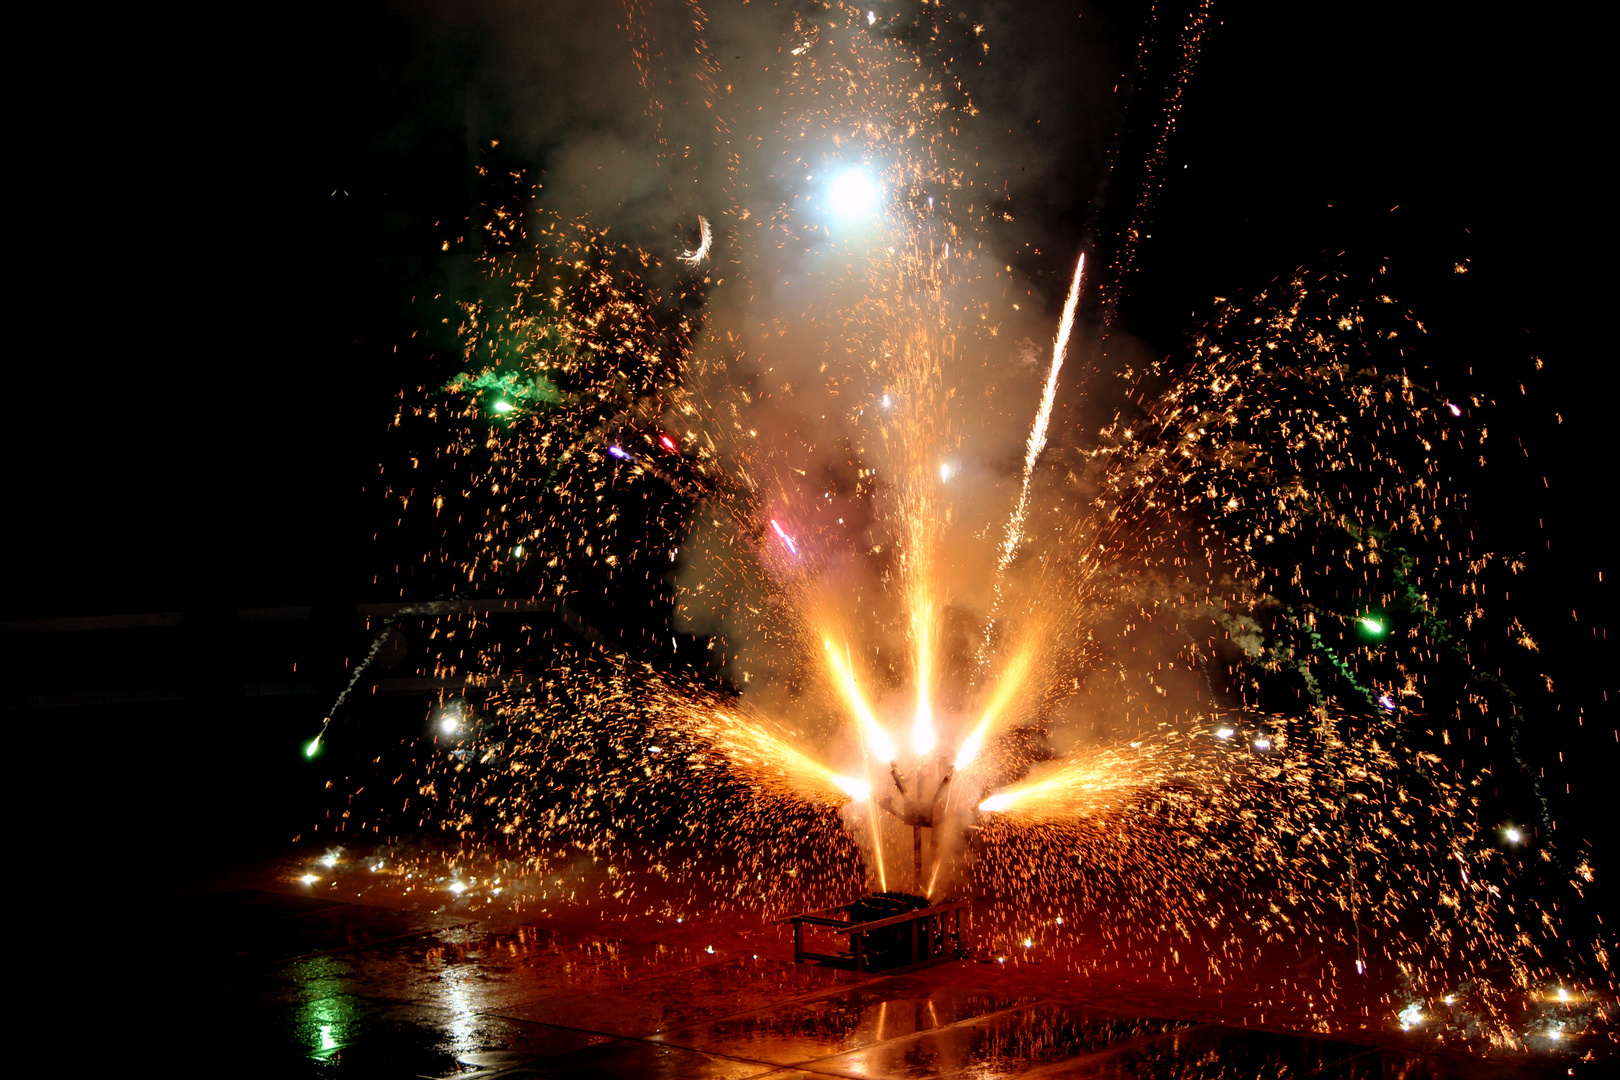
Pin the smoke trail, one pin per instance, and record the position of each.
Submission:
(1037, 443)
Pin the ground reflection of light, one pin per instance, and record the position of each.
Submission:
(328, 1021)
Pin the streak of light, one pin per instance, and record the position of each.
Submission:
(877, 740)
(705, 242)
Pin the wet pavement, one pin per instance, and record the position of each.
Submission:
(297, 985)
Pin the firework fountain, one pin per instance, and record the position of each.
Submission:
(1209, 661)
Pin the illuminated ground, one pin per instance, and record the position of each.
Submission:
(352, 975)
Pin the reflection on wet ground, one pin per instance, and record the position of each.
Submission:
(317, 988)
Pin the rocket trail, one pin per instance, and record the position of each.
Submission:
(1037, 442)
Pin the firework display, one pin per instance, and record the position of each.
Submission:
(1227, 660)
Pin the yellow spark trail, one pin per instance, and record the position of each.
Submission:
(1013, 681)
(844, 680)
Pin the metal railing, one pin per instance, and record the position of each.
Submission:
(935, 936)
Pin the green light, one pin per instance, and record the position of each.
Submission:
(313, 748)
(327, 1024)
(517, 552)
(1371, 625)
(503, 406)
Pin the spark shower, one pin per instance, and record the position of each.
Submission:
(1196, 642)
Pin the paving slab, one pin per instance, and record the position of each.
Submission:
(682, 999)
(838, 1022)
(292, 986)
(1208, 1052)
(459, 1045)
(623, 1058)
(1011, 1042)
(1385, 1064)
(249, 931)
(476, 967)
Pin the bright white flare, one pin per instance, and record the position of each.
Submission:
(855, 194)
(855, 789)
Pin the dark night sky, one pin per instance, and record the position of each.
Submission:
(203, 349)
(203, 410)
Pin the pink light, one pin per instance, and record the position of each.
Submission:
(669, 443)
(786, 539)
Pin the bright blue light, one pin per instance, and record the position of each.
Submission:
(855, 194)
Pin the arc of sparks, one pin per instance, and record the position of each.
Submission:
(705, 241)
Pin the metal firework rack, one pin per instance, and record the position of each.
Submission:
(933, 934)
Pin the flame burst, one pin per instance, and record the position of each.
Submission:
(1155, 697)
